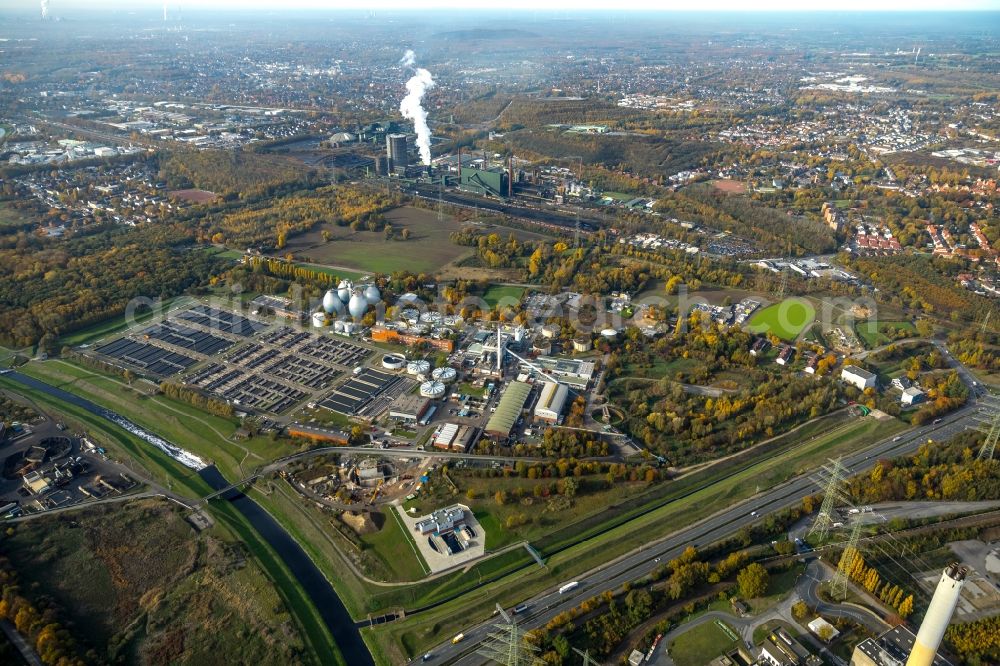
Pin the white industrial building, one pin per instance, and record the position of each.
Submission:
(551, 403)
(859, 377)
(912, 396)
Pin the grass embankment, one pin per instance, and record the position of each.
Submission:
(181, 424)
(596, 540)
(164, 470)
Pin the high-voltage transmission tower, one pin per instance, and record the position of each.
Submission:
(783, 284)
(833, 494)
(587, 660)
(992, 433)
(838, 588)
(506, 644)
(986, 322)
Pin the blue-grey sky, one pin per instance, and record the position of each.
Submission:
(567, 5)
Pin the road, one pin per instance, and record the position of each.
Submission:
(719, 526)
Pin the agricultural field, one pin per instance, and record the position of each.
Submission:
(427, 249)
(785, 319)
(145, 587)
(877, 333)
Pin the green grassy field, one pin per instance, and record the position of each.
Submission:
(873, 333)
(9, 217)
(785, 319)
(186, 426)
(496, 293)
(427, 249)
(700, 645)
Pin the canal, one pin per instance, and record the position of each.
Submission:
(308, 575)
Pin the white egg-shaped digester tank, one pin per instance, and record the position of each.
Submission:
(344, 290)
(418, 367)
(444, 374)
(332, 302)
(319, 319)
(372, 294)
(432, 390)
(357, 305)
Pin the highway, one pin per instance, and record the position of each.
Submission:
(636, 564)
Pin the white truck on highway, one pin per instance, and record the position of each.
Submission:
(568, 586)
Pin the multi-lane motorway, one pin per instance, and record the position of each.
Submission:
(636, 564)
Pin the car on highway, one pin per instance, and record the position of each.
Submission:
(458, 639)
(897, 438)
(753, 514)
(427, 657)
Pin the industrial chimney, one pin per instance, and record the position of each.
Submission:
(938, 616)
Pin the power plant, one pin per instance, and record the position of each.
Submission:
(395, 150)
(899, 647)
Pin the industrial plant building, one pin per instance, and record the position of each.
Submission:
(492, 182)
(551, 403)
(509, 410)
(409, 408)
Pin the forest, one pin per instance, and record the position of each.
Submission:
(690, 428)
(231, 174)
(55, 287)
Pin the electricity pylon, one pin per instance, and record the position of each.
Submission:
(587, 661)
(832, 494)
(838, 589)
(992, 435)
(506, 644)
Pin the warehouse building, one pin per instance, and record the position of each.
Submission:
(551, 403)
(491, 182)
(859, 377)
(509, 410)
(409, 408)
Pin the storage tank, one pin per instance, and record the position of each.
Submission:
(338, 326)
(609, 333)
(393, 362)
(581, 344)
(344, 290)
(319, 319)
(357, 305)
(430, 317)
(372, 294)
(332, 303)
(444, 374)
(418, 368)
(432, 389)
(550, 331)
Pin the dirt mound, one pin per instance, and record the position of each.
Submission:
(361, 523)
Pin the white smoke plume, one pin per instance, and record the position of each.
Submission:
(408, 58)
(412, 106)
(45, 9)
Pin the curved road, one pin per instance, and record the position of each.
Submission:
(636, 564)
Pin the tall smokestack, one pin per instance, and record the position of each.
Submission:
(938, 616)
(45, 9)
(164, 12)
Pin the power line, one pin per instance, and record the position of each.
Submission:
(838, 589)
(587, 661)
(832, 494)
(507, 645)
